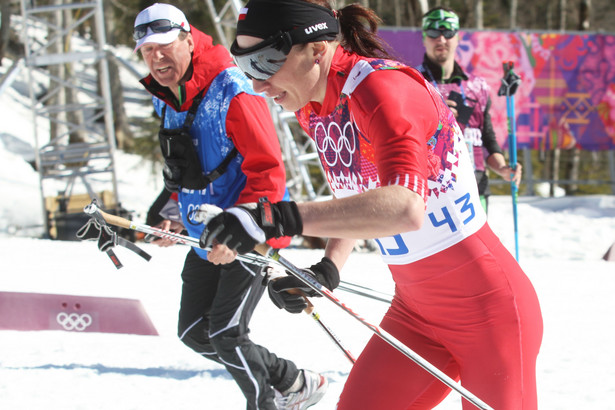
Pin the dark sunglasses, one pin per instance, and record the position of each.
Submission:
(434, 33)
(157, 26)
(263, 60)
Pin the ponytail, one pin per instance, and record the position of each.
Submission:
(358, 26)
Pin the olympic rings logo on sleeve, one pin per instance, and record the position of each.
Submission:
(344, 145)
(74, 321)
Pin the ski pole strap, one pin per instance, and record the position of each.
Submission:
(93, 210)
(89, 231)
(96, 228)
(129, 245)
(108, 239)
(510, 81)
(114, 259)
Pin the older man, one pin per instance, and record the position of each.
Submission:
(220, 148)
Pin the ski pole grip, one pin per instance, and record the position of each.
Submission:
(264, 249)
(310, 308)
(115, 220)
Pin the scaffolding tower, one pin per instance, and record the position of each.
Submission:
(71, 107)
(305, 176)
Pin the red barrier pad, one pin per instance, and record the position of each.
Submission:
(39, 311)
(610, 254)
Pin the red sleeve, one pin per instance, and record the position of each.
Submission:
(250, 126)
(398, 115)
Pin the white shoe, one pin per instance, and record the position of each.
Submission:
(314, 387)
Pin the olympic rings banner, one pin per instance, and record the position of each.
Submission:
(73, 313)
(567, 95)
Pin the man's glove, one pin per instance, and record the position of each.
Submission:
(172, 175)
(325, 272)
(242, 227)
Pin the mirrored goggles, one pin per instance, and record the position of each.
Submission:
(157, 26)
(264, 59)
(435, 33)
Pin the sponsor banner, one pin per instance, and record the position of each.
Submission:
(567, 95)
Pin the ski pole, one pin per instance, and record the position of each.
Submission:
(332, 335)
(97, 229)
(310, 307)
(274, 255)
(121, 222)
(310, 311)
(512, 147)
(419, 360)
(510, 83)
(365, 291)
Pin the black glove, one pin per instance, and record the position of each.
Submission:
(325, 272)
(243, 227)
(172, 174)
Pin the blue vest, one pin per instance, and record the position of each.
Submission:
(212, 145)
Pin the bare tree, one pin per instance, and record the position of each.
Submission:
(123, 134)
(5, 23)
(397, 4)
(478, 12)
(513, 14)
(585, 7)
(419, 7)
(562, 15)
(423, 6)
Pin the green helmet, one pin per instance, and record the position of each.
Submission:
(441, 19)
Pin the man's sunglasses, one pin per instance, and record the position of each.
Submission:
(263, 60)
(157, 26)
(434, 33)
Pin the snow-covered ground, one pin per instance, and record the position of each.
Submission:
(562, 242)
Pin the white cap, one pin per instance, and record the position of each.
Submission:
(161, 11)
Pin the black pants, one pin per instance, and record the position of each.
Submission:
(216, 307)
